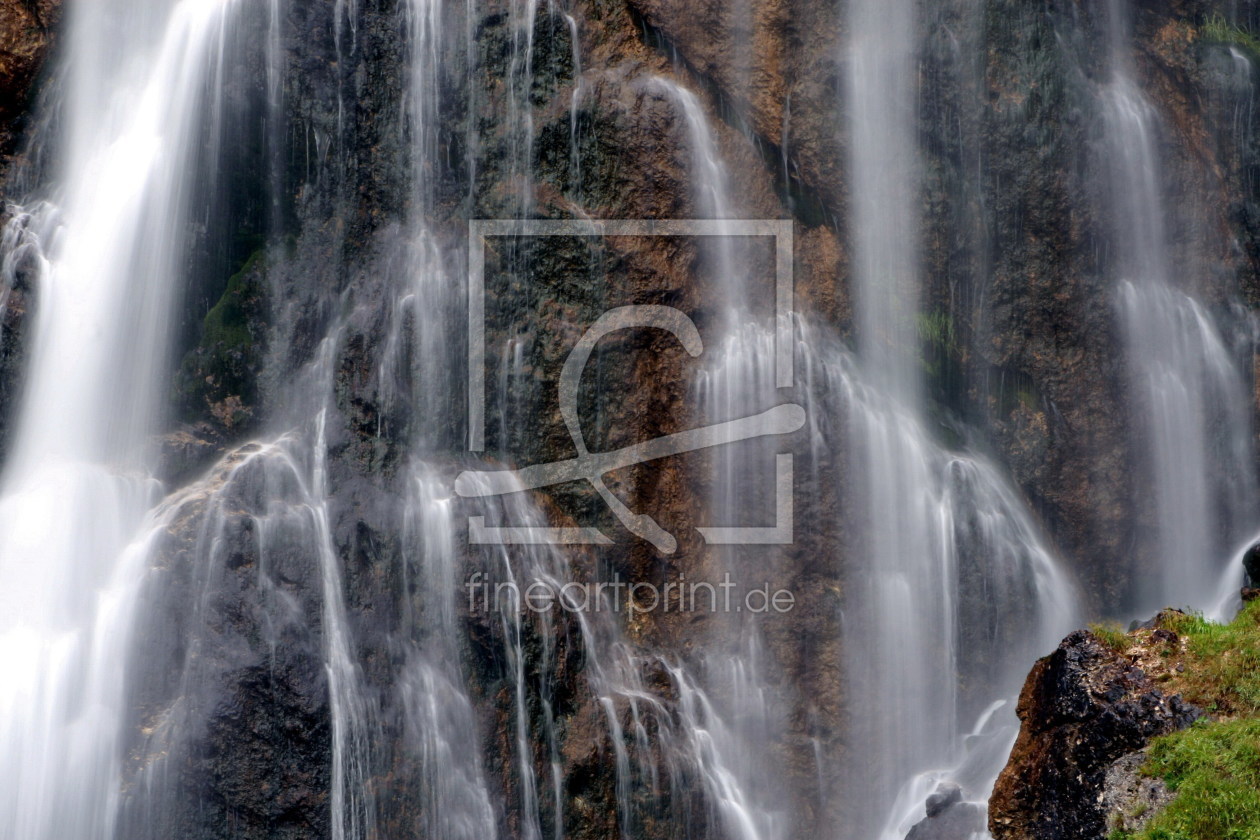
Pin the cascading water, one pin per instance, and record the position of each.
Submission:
(736, 708)
(304, 633)
(1190, 401)
(945, 548)
(938, 640)
(951, 542)
(141, 96)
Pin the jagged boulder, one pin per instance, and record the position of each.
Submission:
(1083, 708)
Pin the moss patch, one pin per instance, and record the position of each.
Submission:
(227, 322)
(218, 378)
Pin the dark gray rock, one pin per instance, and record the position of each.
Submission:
(952, 819)
(1131, 799)
(945, 796)
(1251, 565)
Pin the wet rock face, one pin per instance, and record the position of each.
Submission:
(27, 29)
(218, 378)
(19, 284)
(13, 321)
(233, 737)
(1010, 262)
(1082, 709)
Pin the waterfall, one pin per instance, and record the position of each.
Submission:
(883, 162)
(1190, 402)
(730, 699)
(442, 722)
(937, 639)
(280, 488)
(142, 97)
(279, 611)
(945, 547)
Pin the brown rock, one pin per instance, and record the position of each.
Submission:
(1083, 708)
(27, 29)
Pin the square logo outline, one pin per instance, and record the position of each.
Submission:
(784, 296)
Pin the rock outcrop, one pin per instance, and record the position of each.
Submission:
(948, 817)
(27, 33)
(1083, 710)
(1130, 798)
(1251, 566)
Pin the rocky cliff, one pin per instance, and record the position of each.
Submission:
(28, 30)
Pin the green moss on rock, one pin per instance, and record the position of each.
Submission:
(217, 381)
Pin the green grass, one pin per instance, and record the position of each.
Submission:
(1216, 29)
(1214, 766)
(936, 328)
(1112, 636)
(1214, 769)
(1222, 663)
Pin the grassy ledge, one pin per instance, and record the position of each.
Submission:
(1217, 30)
(1213, 768)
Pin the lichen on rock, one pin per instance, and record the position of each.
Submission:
(1130, 797)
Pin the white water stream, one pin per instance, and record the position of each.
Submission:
(140, 97)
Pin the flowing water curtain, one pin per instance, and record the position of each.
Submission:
(1190, 400)
(441, 729)
(441, 733)
(241, 561)
(948, 562)
(986, 597)
(725, 693)
(456, 800)
(889, 669)
(142, 96)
